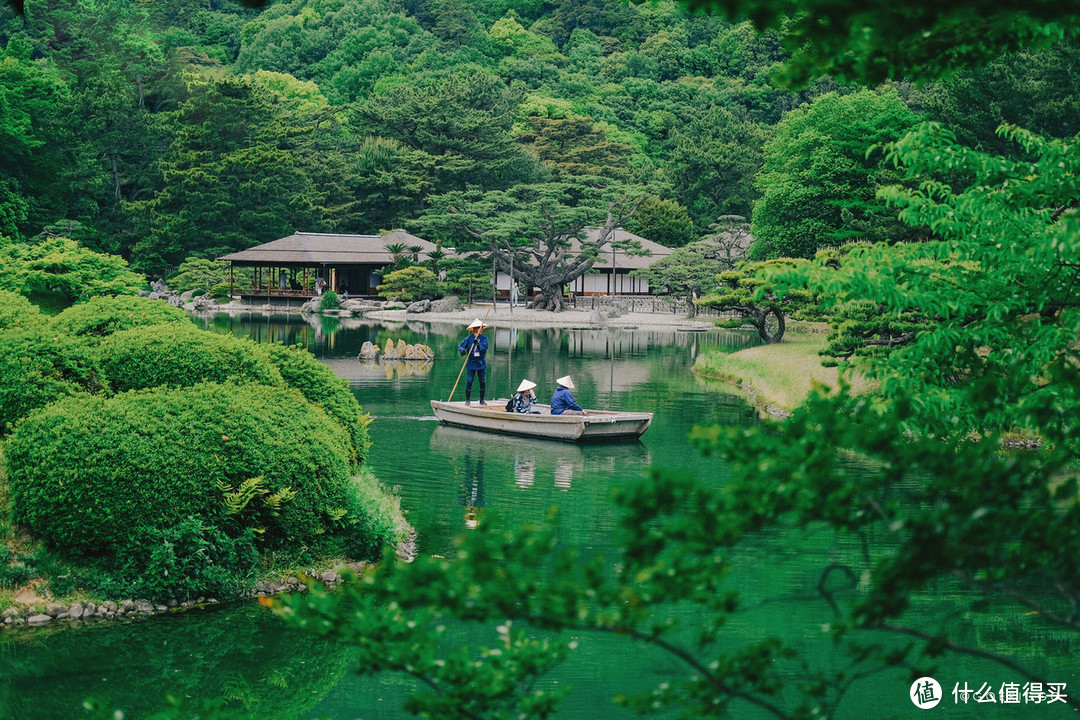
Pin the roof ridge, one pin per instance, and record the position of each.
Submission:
(303, 232)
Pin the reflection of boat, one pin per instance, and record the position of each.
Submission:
(597, 425)
(536, 462)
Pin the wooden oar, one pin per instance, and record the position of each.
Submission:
(462, 370)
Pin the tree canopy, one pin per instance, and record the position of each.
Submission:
(544, 235)
(819, 180)
(876, 41)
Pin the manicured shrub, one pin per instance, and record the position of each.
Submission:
(222, 291)
(318, 383)
(103, 316)
(90, 474)
(37, 367)
(411, 283)
(178, 356)
(16, 312)
(330, 301)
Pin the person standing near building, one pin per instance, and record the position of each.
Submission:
(562, 401)
(475, 345)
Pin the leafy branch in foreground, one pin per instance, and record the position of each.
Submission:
(667, 590)
(993, 300)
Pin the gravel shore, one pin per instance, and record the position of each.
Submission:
(502, 316)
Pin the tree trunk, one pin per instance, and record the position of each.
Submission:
(770, 325)
(549, 299)
(691, 306)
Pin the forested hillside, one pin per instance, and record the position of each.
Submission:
(166, 129)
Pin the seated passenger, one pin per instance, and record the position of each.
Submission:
(524, 398)
(562, 402)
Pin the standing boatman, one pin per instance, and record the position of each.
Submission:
(475, 345)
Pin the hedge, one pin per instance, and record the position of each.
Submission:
(37, 367)
(88, 473)
(179, 356)
(18, 313)
(318, 383)
(102, 316)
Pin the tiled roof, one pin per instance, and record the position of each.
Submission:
(622, 260)
(329, 249)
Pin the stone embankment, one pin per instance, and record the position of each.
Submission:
(108, 610)
(358, 308)
(44, 613)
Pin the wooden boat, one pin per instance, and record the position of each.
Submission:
(597, 425)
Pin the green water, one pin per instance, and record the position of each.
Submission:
(447, 477)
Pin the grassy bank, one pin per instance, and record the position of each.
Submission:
(777, 377)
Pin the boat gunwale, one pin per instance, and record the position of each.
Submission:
(459, 414)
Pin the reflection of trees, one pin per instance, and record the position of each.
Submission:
(236, 652)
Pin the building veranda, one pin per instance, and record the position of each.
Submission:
(291, 268)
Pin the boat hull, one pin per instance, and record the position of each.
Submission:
(597, 425)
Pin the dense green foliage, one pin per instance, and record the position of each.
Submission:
(818, 181)
(999, 285)
(89, 474)
(231, 453)
(18, 312)
(408, 284)
(199, 130)
(173, 133)
(201, 275)
(157, 355)
(663, 221)
(874, 41)
(61, 267)
(37, 367)
(103, 316)
(302, 371)
(329, 300)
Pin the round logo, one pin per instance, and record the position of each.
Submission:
(925, 693)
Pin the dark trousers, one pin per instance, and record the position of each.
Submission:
(482, 374)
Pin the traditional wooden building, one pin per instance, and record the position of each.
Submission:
(290, 268)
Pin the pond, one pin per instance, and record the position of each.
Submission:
(447, 478)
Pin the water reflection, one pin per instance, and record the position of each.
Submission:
(483, 461)
(472, 490)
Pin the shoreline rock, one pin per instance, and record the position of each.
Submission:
(50, 612)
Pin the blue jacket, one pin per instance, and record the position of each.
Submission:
(477, 354)
(562, 400)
